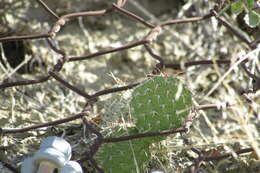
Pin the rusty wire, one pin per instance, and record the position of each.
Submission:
(155, 30)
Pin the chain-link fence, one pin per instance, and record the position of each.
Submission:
(106, 49)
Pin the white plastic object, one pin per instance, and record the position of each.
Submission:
(28, 166)
(53, 154)
(156, 172)
(71, 167)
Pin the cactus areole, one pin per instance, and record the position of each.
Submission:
(161, 103)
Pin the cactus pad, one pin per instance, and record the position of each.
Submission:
(160, 103)
(127, 156)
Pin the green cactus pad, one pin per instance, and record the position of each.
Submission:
(127, 156)
(160, 103)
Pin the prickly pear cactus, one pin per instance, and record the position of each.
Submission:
(128, 156)
(160, 103)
